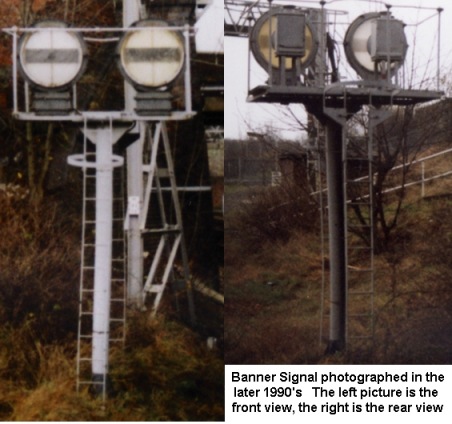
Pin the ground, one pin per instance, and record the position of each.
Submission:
(274, 290)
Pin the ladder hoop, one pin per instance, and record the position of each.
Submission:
(81, 161)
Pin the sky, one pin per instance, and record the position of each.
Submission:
(209, 35)
(421, 18)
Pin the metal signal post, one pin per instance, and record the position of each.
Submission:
(375, 46)
(131, 14)
(48, 61)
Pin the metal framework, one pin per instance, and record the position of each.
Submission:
(161, 220)
(22, 108)
(103, 294)
(333, 102)
(240, 15)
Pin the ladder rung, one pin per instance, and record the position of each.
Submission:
(360, 337)
(359, 226)
(156, 288)
(360, 315)
(352, 268)
(360, 247)
(163, 230)
(94, 383)
(359, 183)
(163, 173)
(353, 203)
(360, 293)
(117, 240)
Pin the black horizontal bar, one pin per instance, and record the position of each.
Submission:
(165, 54)
(52, 56)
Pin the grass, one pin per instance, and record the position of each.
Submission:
(165, 373)
(272, 304)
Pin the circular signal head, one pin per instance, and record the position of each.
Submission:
(51, 58)
(151, 56)
(357, 45)
(262, 42)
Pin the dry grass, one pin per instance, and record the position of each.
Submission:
(165, 372)
(278, 281)
(279, 323)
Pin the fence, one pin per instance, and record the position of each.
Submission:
(423, 175)
(249, 171)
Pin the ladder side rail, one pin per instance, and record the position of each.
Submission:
(155, 263)
(167, 272)
(178, 211)
(372, 230)
(347, 230)
(154, 141)
(323, 237)
(82, 264)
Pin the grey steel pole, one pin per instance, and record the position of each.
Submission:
(103, 254)
(131, 14)
(336, 223)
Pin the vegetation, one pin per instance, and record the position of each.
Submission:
(404, 134)
(165, 371)
(273, 285)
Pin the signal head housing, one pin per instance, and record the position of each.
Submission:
(375, 39)
(50, 58)
(149, 57)
(284, 34)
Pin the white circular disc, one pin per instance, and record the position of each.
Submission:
(151, 57)
(360, 47)
(51, 58)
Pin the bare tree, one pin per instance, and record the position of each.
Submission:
(397, 141)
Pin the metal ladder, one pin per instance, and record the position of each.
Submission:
(118, 280)
(322, 199)
(359, 224)
(164, 234)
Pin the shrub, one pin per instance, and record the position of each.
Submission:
(275, 214)
(39, 258)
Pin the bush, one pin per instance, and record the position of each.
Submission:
(39, 258)
(274, 214)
